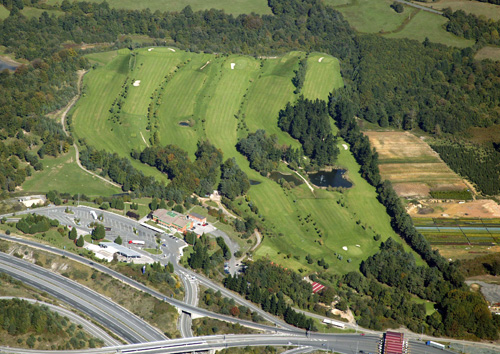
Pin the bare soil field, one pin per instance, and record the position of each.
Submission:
(411, 165)
(484, 208)
(455, 252)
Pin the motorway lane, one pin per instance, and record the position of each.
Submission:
(339, 343)
(91, 328)
(119, 320)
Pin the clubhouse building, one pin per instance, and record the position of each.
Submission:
(172, 219)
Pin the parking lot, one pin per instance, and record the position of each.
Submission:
(199, 229)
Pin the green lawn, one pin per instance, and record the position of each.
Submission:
(425, 24)
(322, 77)
(235, 7)
(370, 16)
(35, 12)
(4, 13)
(64, 175)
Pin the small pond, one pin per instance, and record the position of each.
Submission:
(254, 183)
(184, 124)
(4, 65)
(333, 178)
(276, 176)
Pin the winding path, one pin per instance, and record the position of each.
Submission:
(421, 7)
(63, 117)
(306, 181)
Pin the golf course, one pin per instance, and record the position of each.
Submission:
(184, 97)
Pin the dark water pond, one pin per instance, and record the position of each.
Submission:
(276, 176)
(184, 124)
(333, 178)
(254, 183)
(4, 65)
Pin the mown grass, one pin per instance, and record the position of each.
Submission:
(428, 25)
(230, 6)
(4, 13)
(35, 12)
(370, 16)
(321, 77)
(63, 174)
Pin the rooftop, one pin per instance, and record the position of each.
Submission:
(171, 217)
(197, 216)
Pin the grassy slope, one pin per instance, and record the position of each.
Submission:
(4, 13)
(102, 86)
(35, 12)
(64, 175)
(215, 95)
(230, 6)
(475, 7)
(425, 24)
(321, 77)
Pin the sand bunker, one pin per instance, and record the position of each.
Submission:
(137, 82)
(345, 146)
(233, 65)
(344, 248)
(203, 67)
(171, 49)
(150, 49)
(320, 59)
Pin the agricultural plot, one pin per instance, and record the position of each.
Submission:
(477, 8)
(411, 165)
(222, 98)
(428, 25)
(235, 7)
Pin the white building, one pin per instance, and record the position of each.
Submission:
(31, 200)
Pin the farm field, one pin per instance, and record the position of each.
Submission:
(474, 7)
(370, 16)
(486, 52)
(223, 98)
(411, 165)
(235, 7)
(428, 25)
(64, 175)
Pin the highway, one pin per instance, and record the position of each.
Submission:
(338, 343)
(111, 315)
(191, 287)
(89, 327)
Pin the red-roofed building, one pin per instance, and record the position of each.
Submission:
(394, 343)
(317, 287)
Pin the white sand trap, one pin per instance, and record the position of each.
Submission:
(137, 82)
(320, 59)
(356, 245)
(171, 49)
(344, 248)
(233, 65)
(150, 49)
(345, 146)
(203, 67)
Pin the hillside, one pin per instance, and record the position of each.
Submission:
(222, 98)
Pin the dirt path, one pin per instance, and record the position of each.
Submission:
(258, 236)
(63, 117)
(145, 142)
(306, 181)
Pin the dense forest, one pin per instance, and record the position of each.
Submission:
(308, 122)
(470, 26)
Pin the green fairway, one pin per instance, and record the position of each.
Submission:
(322, 76)
(425, 24)
(64, 175)
(235, 7)
(223, 98)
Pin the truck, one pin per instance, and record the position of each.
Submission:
(435, 345)
(334, 323)
(137, 242)
(94, 215)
